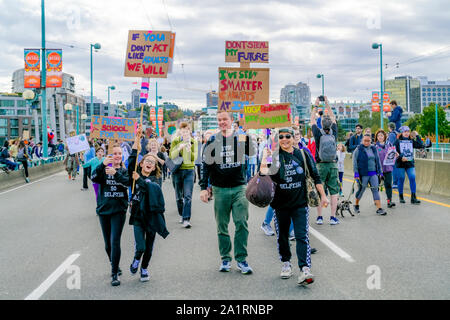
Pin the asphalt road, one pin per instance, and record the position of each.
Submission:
(44, 223)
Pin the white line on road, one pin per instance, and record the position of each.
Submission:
(28, 184)
(331, 245)
(39, 291)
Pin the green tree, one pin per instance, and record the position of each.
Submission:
(428, 124)
(414, 122)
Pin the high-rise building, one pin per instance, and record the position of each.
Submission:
(135, 95)
(299, 96)
(58, 119)
(212, 99)
(406, 91)
(434, 91)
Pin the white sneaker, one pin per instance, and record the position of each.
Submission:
(286, 270)
(305, 277)
(319, 220)
(186, 224)
(181, 220)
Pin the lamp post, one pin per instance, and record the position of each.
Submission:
(110, 88)
(436, 123)
(320, 75)
(96, 46)
(376, 46)
(43, 84)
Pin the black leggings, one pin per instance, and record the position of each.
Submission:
(388, 184)
(25, 166)
(144, 245)
(112, 226)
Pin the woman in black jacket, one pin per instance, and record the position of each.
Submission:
(112, 204)
(405, 145)
(147, 209)
(290, 202)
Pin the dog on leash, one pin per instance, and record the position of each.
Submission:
(344, 205)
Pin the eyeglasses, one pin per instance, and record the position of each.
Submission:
(149, 161)
(288, 136)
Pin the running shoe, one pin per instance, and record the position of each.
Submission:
(313, 250)
(115, 281)
(305, 277)
(244, 267)
(381, 212)
(356, 208)
(134, 266)
(145, 276)
(186, 224)
(391, 204)
(267, 229)
(334, 221)
(225, 266)
(319, 220)
(286, 270)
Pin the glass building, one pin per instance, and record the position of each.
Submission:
(406, 91)
(434, 92)
(299, 96)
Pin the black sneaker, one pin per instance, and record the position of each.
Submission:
(134, 266)
(381, 212)
(313, 250)
(115, 280)
(356, 207)
(391, 204)
(402, 200)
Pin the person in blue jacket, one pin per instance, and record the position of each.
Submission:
(396, 115)
(355, 140)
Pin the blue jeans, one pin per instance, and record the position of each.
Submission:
(395, 176)
(299, 217)
(269, 217)
(183, 182)
(11, 165)
(411, 172)
(250, 171)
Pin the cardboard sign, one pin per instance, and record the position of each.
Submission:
(275, 115)
(113, 128)
(32, 74)
(54, 68)
(170, 128)
(26, 134)
(77, 144)
(148, 54)
(247, 51)
(239, 87)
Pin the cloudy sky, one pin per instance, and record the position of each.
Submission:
(305, 37)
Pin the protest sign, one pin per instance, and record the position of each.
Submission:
(148, 54)
(113, 128)
(247, 51)
(26, 134)
(54, 68)
(32, 74)
(266, 116)
(77, 143)
(389, 160)
(242, 86)
(170, 128)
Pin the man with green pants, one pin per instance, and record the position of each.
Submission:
(224, 166)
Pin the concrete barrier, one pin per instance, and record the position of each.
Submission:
(441, 184)
(432, 176)
(16, 178)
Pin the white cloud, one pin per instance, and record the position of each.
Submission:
(305, 38)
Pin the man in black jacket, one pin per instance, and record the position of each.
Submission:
(224, 164)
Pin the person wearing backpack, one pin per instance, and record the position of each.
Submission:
(290, 202)
(326, 157)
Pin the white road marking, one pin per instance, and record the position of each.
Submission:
(331, 245)
(39, 291)
(29, 184)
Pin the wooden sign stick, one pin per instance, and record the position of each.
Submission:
(137, 155)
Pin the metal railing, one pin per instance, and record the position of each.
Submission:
(434, 153)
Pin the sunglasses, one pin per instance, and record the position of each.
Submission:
(288, 136)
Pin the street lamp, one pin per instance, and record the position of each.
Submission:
(112, 88)
(96, 46)
(68, 107)
(376, 46)
(323, 82)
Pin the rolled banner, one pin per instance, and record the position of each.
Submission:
(145, 85)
